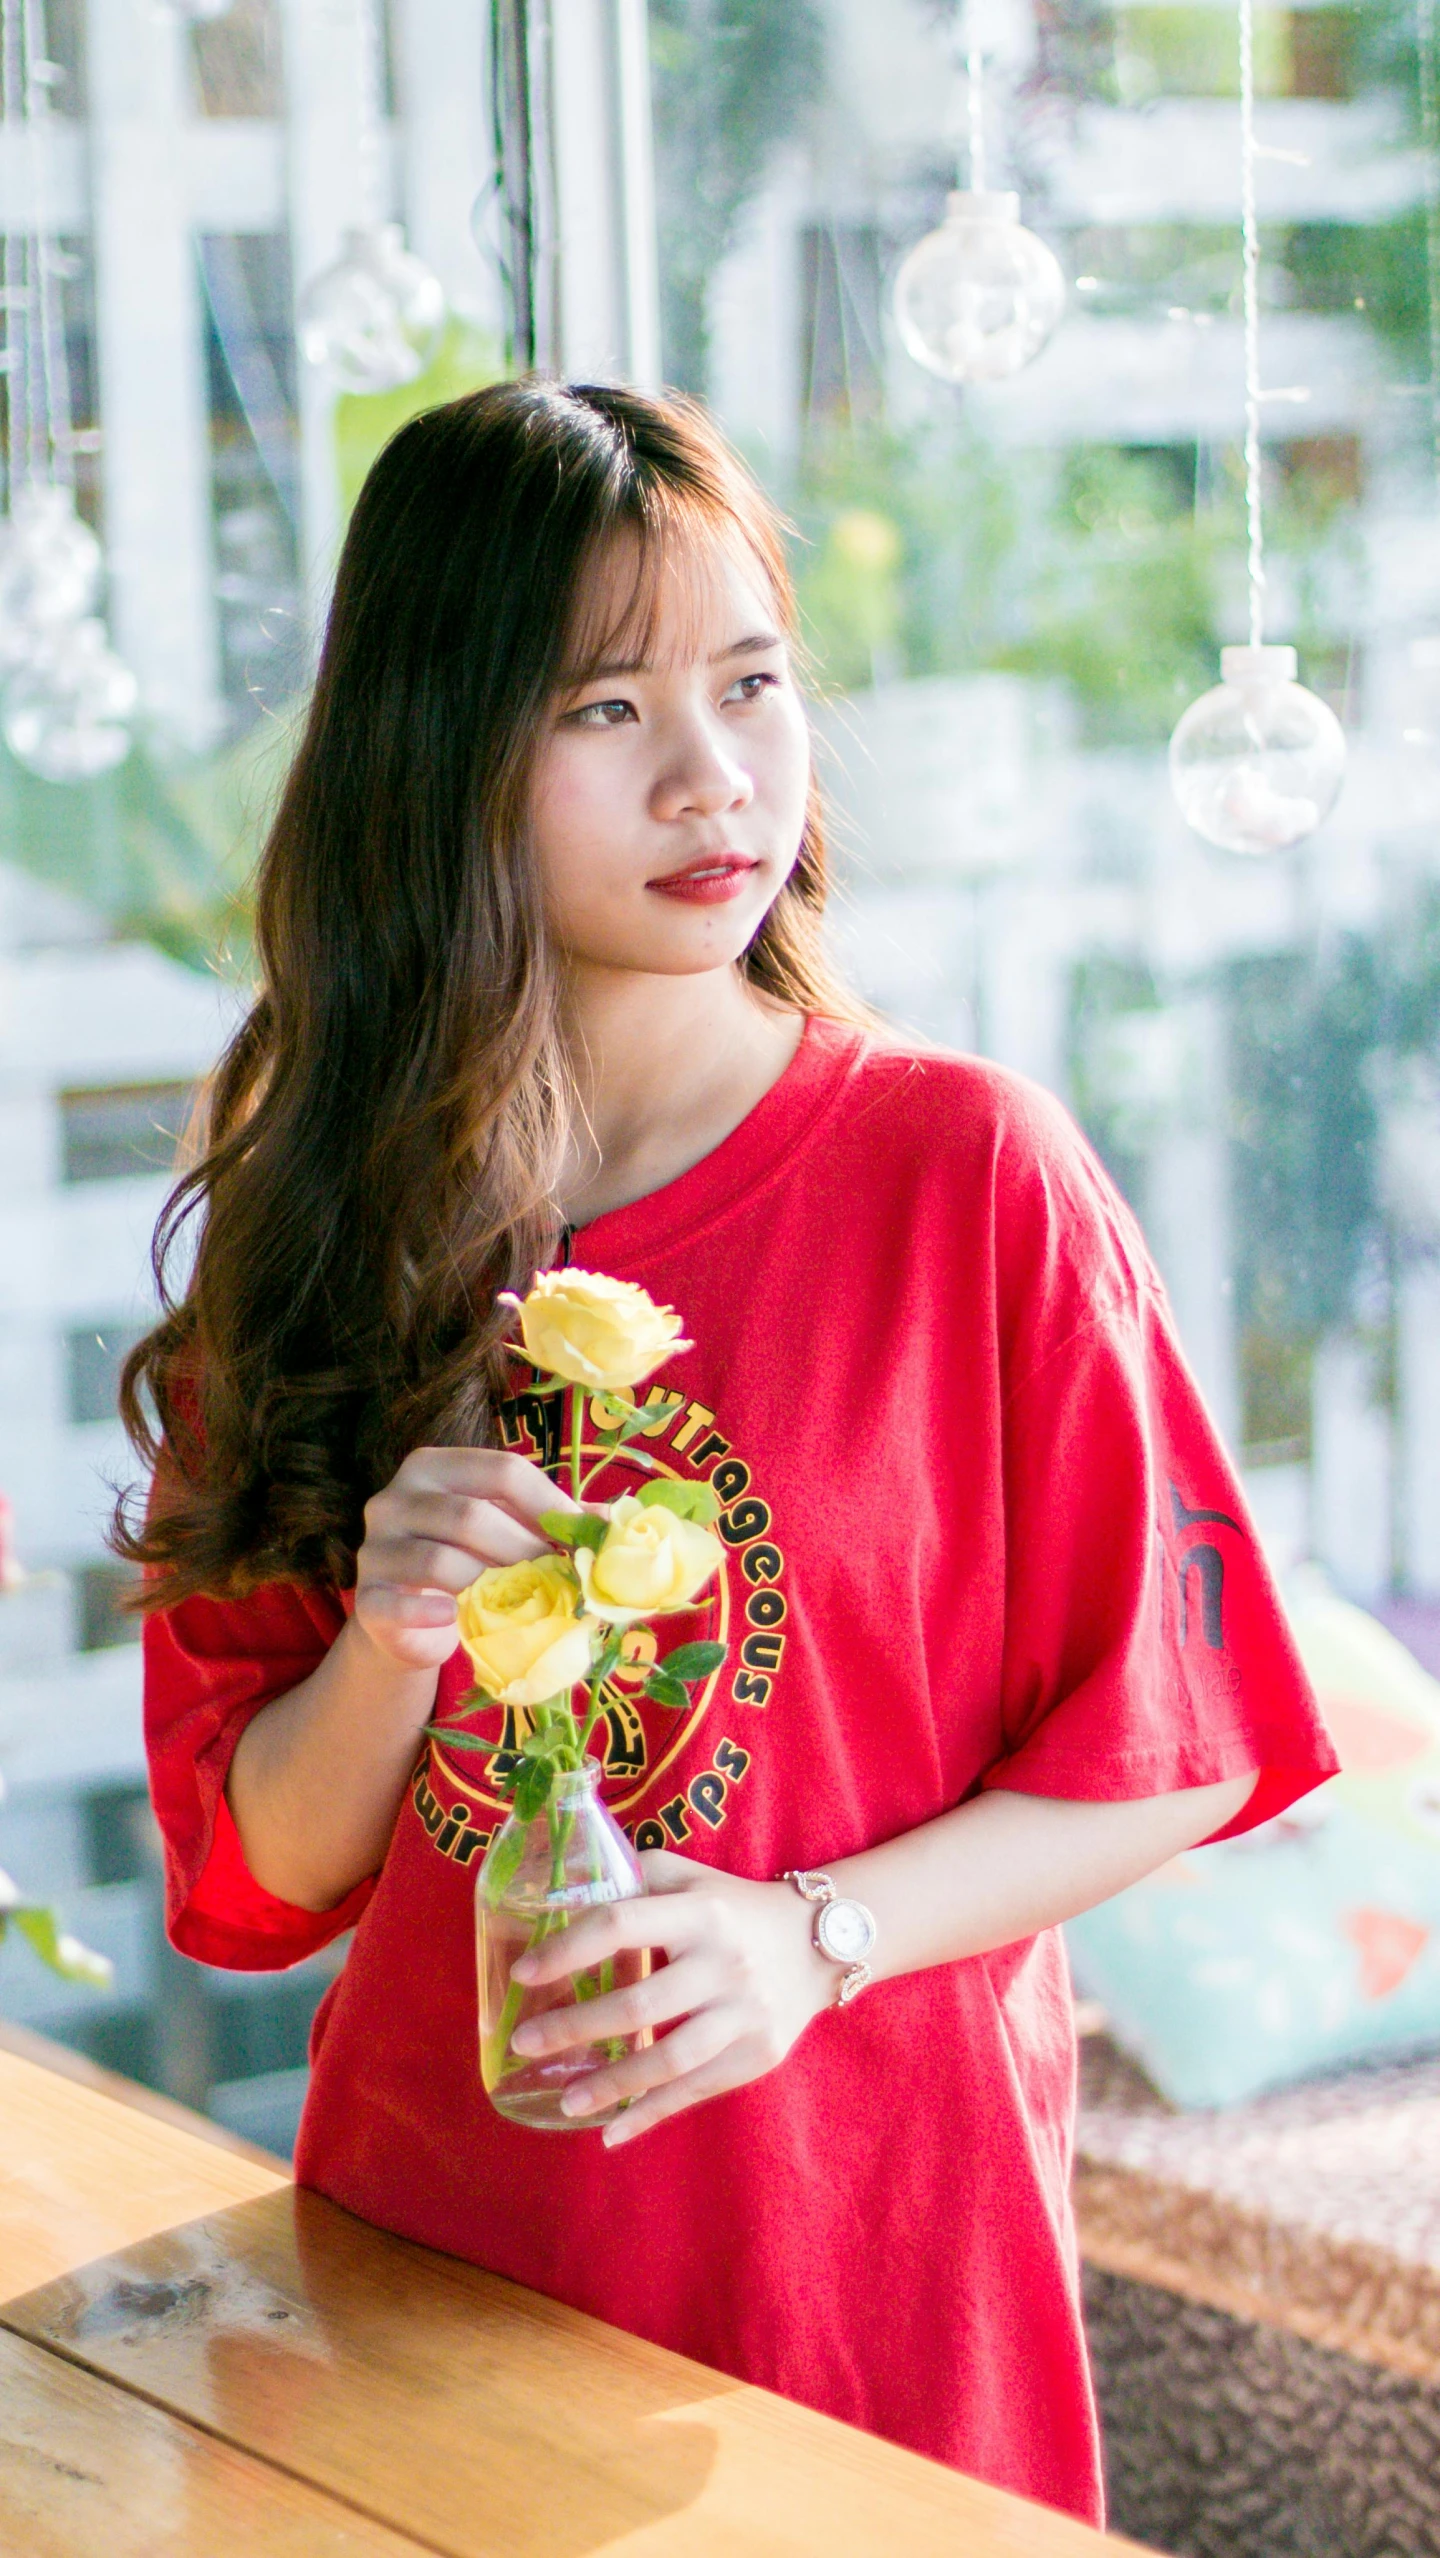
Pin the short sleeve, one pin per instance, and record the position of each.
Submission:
(210, 1665)
(1146, 1648)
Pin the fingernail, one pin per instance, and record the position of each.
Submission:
(525, 2039)
(524, 1970)
(576, 2100)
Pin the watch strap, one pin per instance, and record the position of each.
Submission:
(818, 1888)
(811, 1886)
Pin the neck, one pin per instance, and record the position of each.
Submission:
(664, 1069)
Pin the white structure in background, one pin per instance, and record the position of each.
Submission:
(608, 291)
(146, 176)
(101, 1047)
(983, 857)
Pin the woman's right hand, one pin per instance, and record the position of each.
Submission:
(446, 1514)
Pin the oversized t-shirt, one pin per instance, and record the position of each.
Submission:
(979, 1532)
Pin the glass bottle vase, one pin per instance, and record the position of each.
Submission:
(538, 1878)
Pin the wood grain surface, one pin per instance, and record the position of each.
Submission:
(419, 2395)
(87, 2469)
(81, 2175)
(64, 2063)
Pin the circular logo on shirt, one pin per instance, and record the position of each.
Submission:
(653, 1786)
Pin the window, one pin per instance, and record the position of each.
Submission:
(94, 1357)
(840, 272)
(104, 1618)
(124, 1129)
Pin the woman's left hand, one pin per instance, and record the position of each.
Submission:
(741, 1970)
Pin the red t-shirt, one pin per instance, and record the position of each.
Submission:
(980, 1532)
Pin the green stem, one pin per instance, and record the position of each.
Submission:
(577, 1409)
(596, 1692)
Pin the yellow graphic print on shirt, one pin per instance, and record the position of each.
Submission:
(643, 1742)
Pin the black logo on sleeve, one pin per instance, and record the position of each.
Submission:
(1198, 1562)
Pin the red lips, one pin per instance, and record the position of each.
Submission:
(710, 881)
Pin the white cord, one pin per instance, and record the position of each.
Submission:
(55, 458)
(1250, 246)
(1430, 138)
(975, 93)
(16, 323)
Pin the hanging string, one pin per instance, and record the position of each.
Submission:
(1430, 139)
(15, 263)
(1250, 266)
(56, 460)
(975, 98)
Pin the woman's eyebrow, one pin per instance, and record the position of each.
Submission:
(754, 645)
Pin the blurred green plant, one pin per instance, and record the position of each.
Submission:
(730, 79)
(1097, 566)
(159, 850)
(41, 1930)
(908, 549)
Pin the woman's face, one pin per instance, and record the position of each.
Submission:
(669, 795)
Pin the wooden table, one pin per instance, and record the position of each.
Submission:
(198, 2357)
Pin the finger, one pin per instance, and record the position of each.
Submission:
(678, 1990)
(693, 2045)
(478, 1528)
(431, 1563)
(381, 1603)
(486, 1474)
(734, 2067)
(670, 1923)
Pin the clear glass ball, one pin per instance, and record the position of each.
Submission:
(66, 713)
(975, 300)
(374, 318)
(1257, 764)
(50, 565)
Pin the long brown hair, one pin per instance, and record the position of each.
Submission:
(385, 1129)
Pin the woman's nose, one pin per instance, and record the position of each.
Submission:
(703, 778)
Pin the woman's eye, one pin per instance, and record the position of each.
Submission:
(749, 688)
(602, 714)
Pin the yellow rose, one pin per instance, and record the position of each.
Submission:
(650, 1563)
(521, 1625)
(596, 1332)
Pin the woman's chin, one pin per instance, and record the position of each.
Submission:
(695, 941)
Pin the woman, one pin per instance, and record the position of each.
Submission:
(542, 977)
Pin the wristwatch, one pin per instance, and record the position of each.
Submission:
(844, 1930)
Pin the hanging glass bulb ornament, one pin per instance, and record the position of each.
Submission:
(374, 318)
(975, 300)
(50, 566)
(66, 712)
(1257, 764)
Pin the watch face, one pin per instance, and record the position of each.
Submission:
(846, 1931)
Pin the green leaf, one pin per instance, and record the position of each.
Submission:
(548, 1742)
(592, 1530)
(472, 1701)
(59, 1952)
(534, 1779)
(667, 1690)
(503, 1861)
(560, 1526)
(647, 1417)
(687, 1500)
(454, 1740)
(606, 1659)
(693, 1660)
